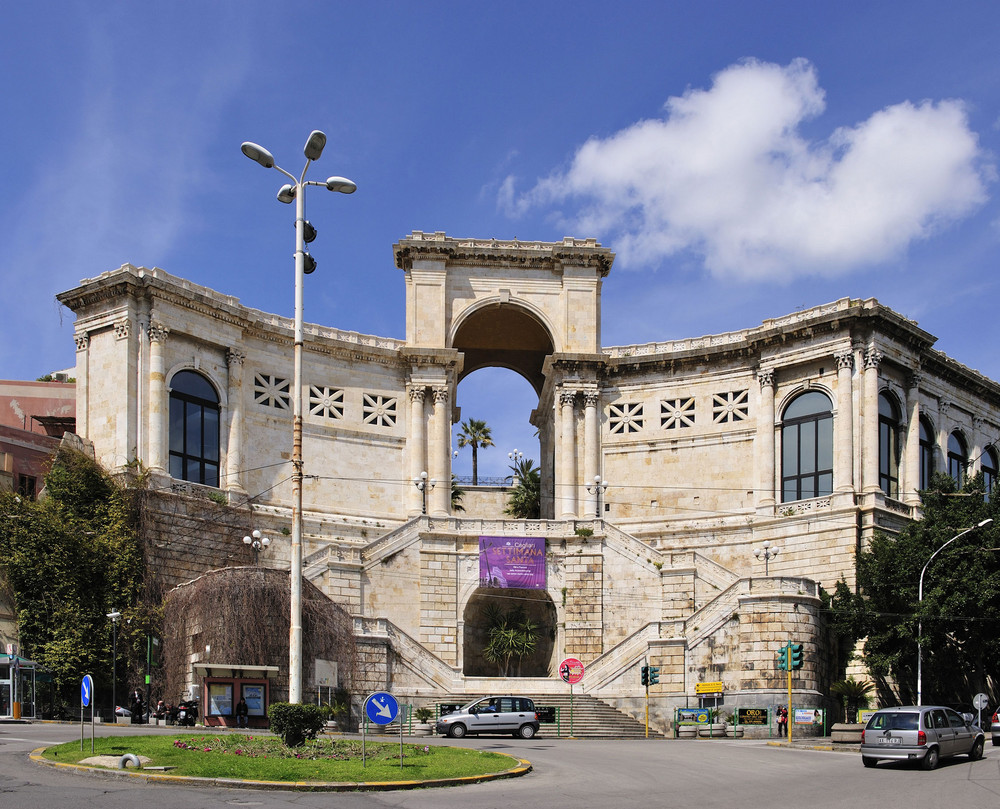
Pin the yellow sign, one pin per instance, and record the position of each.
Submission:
(708, 688)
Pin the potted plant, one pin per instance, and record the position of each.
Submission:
(423, 716)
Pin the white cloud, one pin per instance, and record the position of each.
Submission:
(726, 173)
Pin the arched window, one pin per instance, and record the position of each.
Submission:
(926, 453)
(194, 429)
(990, 468)
(958, 458)
(888, 445)
(807, 448)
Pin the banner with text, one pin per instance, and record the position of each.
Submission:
(512, 562)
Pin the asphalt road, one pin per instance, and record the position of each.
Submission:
(568, 774)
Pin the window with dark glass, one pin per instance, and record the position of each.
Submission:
(194, 429)
(989, 466)
(888, 445)
(807, 448)
(958, 458)
(27, 486)
(926, 453)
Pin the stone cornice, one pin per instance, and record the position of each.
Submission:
(512, 253)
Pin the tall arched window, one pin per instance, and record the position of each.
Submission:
(958, 458)
(990, 468)
(926, 453)
(888, 445)
(807, 447)
(194, 429)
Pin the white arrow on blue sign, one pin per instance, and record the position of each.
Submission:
(381, 708)
(86, 690)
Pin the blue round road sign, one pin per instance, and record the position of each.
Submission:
(86, 690)
(381, 708)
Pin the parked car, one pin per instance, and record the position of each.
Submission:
(919, 733)
(514, 715)
(995, 728)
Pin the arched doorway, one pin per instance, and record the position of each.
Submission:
(519, 608)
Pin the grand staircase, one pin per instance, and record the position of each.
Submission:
(591, 718)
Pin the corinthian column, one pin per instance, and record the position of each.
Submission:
(869, 440)
(844, 470)
(235, 358)
(418, 446)
(592, 449)
(566, 485)
(911, 461)
(439, 498)
(158, 402)
(764, 441)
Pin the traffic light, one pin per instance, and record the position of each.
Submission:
(654, 675)
(783, 658)
(645, 675)
(795, 655)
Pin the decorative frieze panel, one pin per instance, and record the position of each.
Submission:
(626, 417)
(677, 413)
(730, 407)
(272, 391)
(379, 411)
(326, 403)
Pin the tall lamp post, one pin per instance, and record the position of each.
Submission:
(258, 542)
(423, 484)
(766, 552)
(597, 489)
(115, 617)
(304, 264)
(920, 599)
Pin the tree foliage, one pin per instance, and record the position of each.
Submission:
(511, 636)
(69, 559)
(525, 501)
(475, 433)
(960, 610)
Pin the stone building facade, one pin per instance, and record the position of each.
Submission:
(810, 432)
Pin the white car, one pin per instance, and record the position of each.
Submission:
(995, 728)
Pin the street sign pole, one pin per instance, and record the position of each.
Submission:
(788, 657)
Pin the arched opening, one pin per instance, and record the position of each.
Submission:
(520, 608)
(505, 347)
(807, 447)
(194, 429)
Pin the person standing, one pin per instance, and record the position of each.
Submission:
(782, 713)
(242, 712)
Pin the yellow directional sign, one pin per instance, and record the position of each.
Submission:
(708, 688)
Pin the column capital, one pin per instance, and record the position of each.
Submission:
(873, 358)
(567, 397)
(123, 328)
(591, 398)
(845, 360)
(441, 394)
(765, 376)
(158, 333)
(82, 340)
(913, 379)
(235, 356)
(416, 395)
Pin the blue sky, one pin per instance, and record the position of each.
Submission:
(743, 159)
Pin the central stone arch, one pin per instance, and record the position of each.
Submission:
(534, 605)
(532, 307)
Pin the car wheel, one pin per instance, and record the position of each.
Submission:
(527, 731)
(868, 761)
(456, 731)
(930, 759)
(976, 752)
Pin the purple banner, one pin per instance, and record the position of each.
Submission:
(508, 562)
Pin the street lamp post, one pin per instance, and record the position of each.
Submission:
(767, 552)
(304, 264)
(258, 542)
(920, 599)
(423, 484)
(597, 489)
(115, 617)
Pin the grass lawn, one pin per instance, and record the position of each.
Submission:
(265, 758)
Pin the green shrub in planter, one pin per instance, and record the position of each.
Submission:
(295, 723)
(423, 714)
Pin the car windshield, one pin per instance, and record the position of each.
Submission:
(894, 721)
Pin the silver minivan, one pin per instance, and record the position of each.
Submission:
(919, 733)
(514, 715)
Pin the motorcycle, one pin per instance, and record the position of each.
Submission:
(187, 713)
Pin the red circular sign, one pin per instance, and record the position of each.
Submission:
(571, 670)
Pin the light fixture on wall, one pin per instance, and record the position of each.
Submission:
(598, 488)
(258, 542)
(423, 485)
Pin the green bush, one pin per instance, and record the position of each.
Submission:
(423, 714)
(295, 723)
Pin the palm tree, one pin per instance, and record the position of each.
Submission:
(457, 493)
(475, 433)
(854, 693)
(526, 497)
